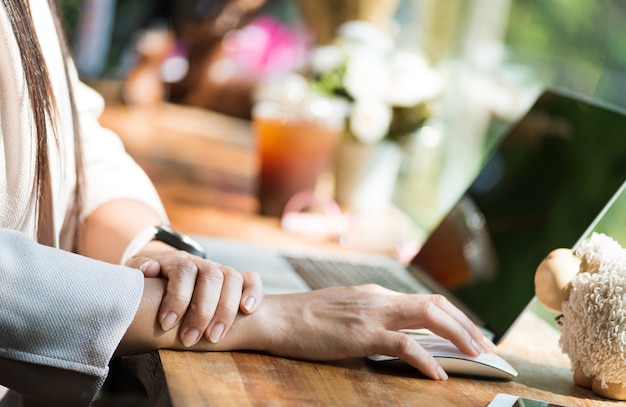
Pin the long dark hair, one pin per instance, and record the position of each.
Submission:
(43, 101)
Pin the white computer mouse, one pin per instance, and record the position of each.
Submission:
(453, 361)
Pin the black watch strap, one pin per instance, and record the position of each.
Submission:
(167, 234)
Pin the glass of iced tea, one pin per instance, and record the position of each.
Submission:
(297, 132)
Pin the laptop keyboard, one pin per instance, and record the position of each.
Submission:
(321, 273)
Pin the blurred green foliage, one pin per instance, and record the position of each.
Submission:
(569, 43)
(70, 12)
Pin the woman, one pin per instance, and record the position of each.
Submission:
(73, 206)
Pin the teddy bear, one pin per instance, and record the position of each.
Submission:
(587, 287)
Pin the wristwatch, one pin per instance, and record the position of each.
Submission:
(166, 234)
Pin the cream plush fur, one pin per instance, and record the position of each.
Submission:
(591, 283)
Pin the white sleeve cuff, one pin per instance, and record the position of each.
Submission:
(142, 239)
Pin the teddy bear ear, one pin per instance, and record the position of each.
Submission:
(553, 277)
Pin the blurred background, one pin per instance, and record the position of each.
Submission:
(493, 58)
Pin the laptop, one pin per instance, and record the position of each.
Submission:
(543, 186)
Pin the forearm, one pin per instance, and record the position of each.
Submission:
(328, 324)
(145, 333)
(107, 231)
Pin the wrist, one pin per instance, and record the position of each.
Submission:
(156, 246)
(249, 332)
(165, 234)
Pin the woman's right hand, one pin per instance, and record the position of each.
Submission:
(328, 324)
(344, 322)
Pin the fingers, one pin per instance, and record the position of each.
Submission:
(398, 344)
(214, 304)
(441, 317)
(218, 295)
(446, 320)
(252, 294)
(438, 314)
(182, 273)
(148, 266)
(207, 294)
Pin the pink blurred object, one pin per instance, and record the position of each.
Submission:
(267, 46)
(314, 216)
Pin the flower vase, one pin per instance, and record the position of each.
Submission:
(366, 174)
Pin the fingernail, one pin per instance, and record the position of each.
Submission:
(488, 344)
(216, 332)
(169, 321)
(191, 337)
(145, 266)
(249, 303)
(441, 374)
(479, 349)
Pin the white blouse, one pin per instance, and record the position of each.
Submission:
(109, 172)
(61, 315)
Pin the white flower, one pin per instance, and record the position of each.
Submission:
(364, 67)
(356, 35)
(325, 59)
(366, 77)
(412, 80)
(369, 120)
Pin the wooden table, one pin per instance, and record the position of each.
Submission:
(179, 148)
(193, 156)
(249, 379)
(179, 378)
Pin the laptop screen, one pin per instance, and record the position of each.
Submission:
(541, 188)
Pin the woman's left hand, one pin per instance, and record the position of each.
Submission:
(204, 294)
